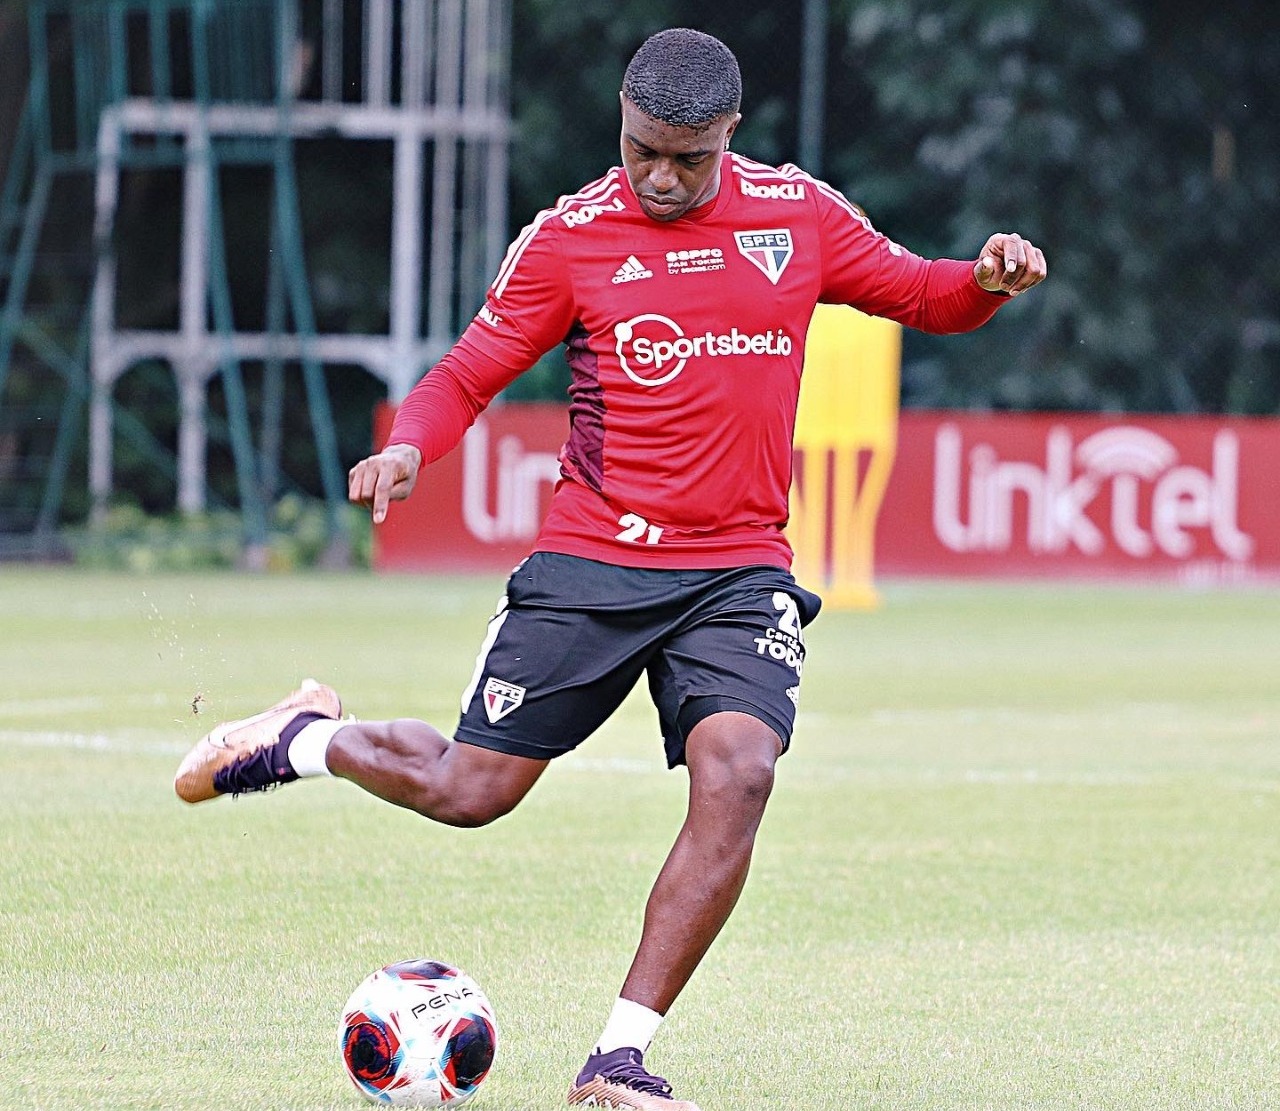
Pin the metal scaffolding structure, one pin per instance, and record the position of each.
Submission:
(202, 84)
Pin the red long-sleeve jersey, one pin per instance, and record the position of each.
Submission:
(686, 343)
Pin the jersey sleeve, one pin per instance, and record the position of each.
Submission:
(530, 306)
(446, 401)
(863, 268)
(528, 310)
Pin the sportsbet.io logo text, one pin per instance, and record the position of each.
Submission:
(653, 349)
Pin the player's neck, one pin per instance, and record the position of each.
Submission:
(712, 195)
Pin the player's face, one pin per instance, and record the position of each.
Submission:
(672, 169)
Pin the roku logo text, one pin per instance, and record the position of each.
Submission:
(584, 214)
(1155, 503)
(775, 191)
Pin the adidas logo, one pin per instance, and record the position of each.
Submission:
(631, 271)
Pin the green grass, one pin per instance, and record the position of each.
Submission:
(1024, 854)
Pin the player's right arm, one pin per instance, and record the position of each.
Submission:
(529, 309)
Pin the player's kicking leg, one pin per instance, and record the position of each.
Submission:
(405, 762)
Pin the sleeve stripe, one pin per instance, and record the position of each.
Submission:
(756, 171)
(855, 213)
(793, 172)
(839, 198)
(594, 193)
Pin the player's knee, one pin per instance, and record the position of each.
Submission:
(733, 754)
(741, 778)
(753, 777)
(462, 809)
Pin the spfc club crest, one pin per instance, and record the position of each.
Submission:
(500, 698)
(769, 250)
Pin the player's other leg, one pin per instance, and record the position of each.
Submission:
(406, 762)
(731, 759)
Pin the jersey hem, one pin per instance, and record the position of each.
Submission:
(582, 522)
(754, 555)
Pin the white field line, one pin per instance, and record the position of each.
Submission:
(1007, 716)
(1032, 717)
(76, 704)
(90, 742)
(69, 739)
(615, 765)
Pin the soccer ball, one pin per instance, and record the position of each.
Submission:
(418, 1034)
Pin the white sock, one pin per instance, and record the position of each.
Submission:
(307, 749)
(630, 1024)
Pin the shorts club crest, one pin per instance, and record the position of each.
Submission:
(500, 698)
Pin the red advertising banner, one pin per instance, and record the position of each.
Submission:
(1194, 500)
(478, 508)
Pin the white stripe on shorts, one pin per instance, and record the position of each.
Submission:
(495, 626)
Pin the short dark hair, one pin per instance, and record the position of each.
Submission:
(684, 78)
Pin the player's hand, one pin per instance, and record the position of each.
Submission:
(383, 478)
(1009, 264)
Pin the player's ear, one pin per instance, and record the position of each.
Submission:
(733, 126)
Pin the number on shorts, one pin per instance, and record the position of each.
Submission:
(789, 622)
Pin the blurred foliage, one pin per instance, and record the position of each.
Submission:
(1141, 157)
(130, 539)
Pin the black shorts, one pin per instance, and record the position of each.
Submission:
(572, 637)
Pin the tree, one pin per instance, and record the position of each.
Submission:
(1135, 154)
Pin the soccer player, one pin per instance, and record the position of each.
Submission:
(681, 283)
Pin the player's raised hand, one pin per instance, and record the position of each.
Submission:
(1009, 264)
(383, 478)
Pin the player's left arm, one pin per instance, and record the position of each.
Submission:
(865, 269)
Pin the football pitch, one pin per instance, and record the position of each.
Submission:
(1024, 854)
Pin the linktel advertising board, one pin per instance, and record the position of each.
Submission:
(1195, 500)
(1192, 499)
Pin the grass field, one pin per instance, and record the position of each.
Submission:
(1024, 854)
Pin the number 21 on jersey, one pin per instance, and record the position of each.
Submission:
(636, 530)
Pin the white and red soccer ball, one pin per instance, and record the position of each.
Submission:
(418, 1033)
